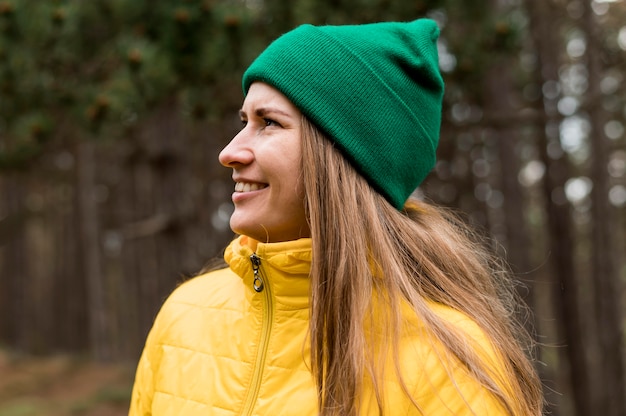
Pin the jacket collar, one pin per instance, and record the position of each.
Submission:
(285, 266)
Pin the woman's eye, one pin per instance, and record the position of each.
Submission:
(243, 123)
(269, 122)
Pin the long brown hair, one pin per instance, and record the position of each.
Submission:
(426, 255)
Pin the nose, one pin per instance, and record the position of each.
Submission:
(237, 152)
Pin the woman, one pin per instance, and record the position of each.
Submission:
(343, 295)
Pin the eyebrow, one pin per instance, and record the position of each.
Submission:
(261, 112)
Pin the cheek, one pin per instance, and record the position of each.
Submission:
(284, 164)
(289, 192)
(297, 181)
(299, 196)
(287, 170)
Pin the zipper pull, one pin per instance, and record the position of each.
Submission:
(257, 284)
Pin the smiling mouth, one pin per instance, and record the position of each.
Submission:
(249, 187)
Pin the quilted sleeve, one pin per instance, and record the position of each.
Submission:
(446, 386)
(143, 388)
(448, 389)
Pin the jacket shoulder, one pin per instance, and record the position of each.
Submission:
(199, 300)
(441, 382)
(188, 333)
(207, 290)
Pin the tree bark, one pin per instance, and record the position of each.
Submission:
(499, 90)
(14, 276)
(573, 356)
(609, 397)
(90, 249)
(69, 291)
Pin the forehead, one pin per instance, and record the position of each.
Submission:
(264, 95)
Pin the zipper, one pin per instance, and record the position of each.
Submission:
(260, 286)
(257, 283)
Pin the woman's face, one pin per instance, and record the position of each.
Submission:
(266, 160)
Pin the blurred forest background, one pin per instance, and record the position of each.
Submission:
(112, 113)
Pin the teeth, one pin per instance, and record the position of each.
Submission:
(248, 187)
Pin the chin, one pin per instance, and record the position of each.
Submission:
(245, 228)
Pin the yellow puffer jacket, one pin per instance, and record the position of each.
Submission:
(233, 342)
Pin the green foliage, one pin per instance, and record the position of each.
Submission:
(73, 69)
(70, 68)
(477, 37)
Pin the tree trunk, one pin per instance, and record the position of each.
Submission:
(90, 249)
(14, 276)
(609, 378)
(498, 90)
(69, 291)
(572, 357)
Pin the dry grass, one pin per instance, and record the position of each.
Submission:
(62, 386)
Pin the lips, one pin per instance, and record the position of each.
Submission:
(249, 186)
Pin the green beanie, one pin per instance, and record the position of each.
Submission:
(374, 89)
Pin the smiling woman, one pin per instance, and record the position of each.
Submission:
(344, 295)
(266, 161)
